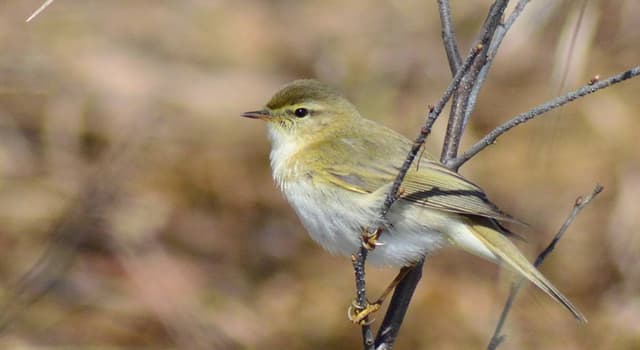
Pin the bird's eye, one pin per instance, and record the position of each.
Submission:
(301, 112)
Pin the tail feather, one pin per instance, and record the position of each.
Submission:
(506, 251)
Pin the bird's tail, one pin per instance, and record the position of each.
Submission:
(504, 250)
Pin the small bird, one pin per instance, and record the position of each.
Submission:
(335, 168)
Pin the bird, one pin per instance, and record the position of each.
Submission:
(335, 168)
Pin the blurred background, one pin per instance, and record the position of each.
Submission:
(137, 209)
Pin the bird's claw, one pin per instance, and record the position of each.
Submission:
(358, 314)
(370, 240)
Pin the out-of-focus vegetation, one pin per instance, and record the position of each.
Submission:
(121, 143)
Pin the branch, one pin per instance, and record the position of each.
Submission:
(500, 33)
(491, 137)
(361, 256)
(433, 115)
(359, 260)
(580, 204)
(449, 36)
(460, 104)
(404, 291)
(398, 307)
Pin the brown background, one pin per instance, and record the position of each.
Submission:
(120, 134)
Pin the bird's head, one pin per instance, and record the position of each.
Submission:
(305, 111)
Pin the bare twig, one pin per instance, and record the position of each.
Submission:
(460, 103)
(491, 137)
(404, 291)
(361, 256)
(433, 115)
(500, 33)
(577, 207)
(398, 307)
(39, 10)
(466, 85)
(449, 36)
(359, 260)
(579, 204)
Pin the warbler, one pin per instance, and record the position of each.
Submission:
(335, 168)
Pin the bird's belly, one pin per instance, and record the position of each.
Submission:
(336, 218)
(333, 219)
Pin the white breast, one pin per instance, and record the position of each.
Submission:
(335, 217)
(281, 150)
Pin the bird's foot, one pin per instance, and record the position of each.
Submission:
(370, 239)
(359, 314)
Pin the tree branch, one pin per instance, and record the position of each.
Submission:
(433, 115)
(491, 137)
(449, 36)
(398, 307)
(359, 260)
(500, 33)
(460, 104)
(404, 291)
(392, 195)
(580, 204)
(464, 88)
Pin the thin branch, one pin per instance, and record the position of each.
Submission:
(39, 10)
(449, 36)
(361, 295)
(460, 104)
(589, 88)
(404, 291)
(388, 331)
(577, 207)
(500, 33)
(361, 256)
(580, 204)
(433, 115)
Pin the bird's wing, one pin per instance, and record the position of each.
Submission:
(357, 164)
(372, 166)
(431, 186)
(435, 186)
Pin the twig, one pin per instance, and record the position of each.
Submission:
(39, 10)
(361, 256)
(404, 291)
(580, 204)
(500, 33)
(359, 260)
(433, 115)
(398, 307)
(577, 207)
(449, 36)
(460, 103)
(491, 137)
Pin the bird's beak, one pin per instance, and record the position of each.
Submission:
(261, 114)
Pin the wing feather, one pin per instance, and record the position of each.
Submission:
(437, 187)
(375, 165)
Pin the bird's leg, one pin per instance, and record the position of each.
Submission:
(357, 313)
(370, 239)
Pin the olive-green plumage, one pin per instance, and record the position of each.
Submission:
(335, 168)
